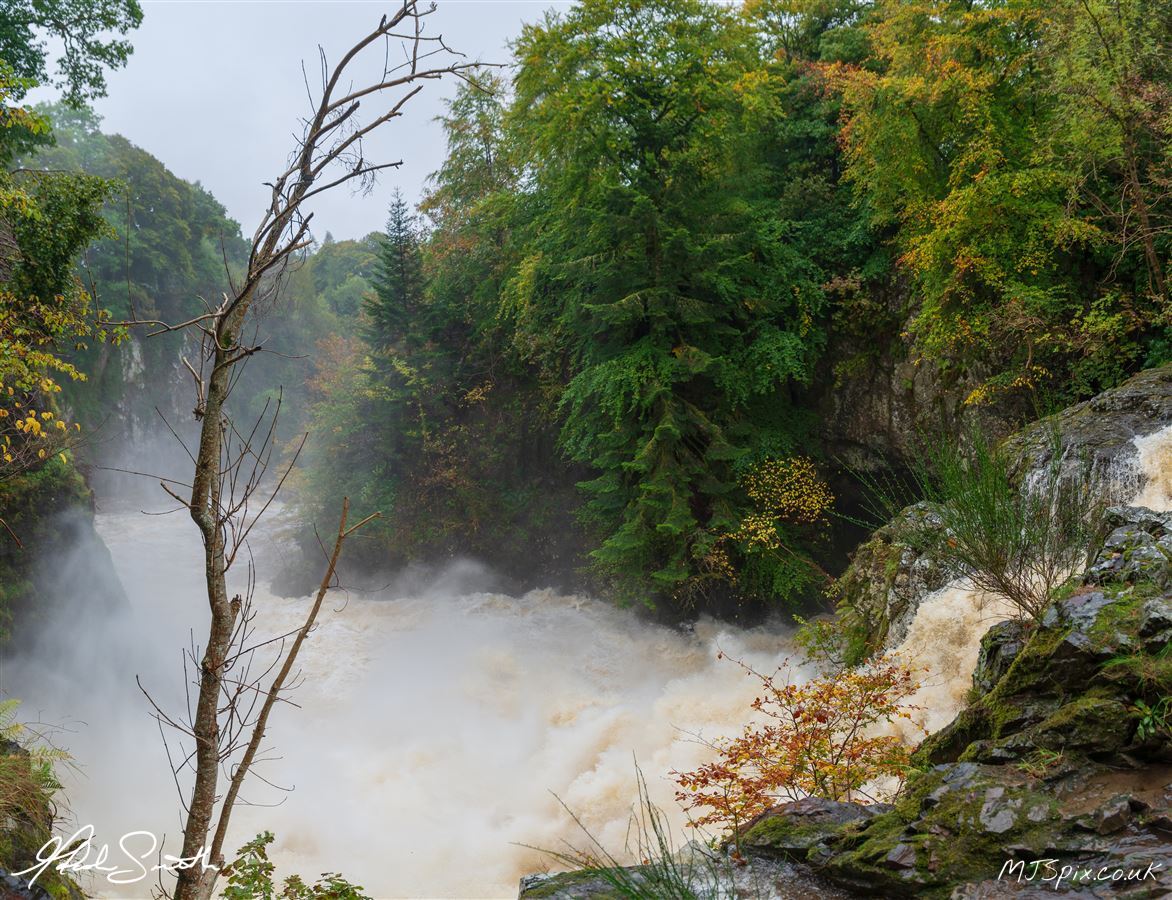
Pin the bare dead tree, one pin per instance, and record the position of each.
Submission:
(227, 719)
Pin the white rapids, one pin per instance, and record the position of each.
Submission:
(436, 723)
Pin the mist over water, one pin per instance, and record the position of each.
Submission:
(435, 720)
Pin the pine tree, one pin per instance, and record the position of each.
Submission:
(394, 311)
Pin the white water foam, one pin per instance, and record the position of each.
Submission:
(435, 724)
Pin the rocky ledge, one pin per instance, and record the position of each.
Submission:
(893, 571)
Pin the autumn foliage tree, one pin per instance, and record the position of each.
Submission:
(47, 218)
(816, 738)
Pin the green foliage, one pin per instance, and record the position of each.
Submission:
(86, 31)
(250, 877)
(1017, 153)
(47, 315)
(40, 759)
(394, 309)
(641, 251)
(628, 262)
(164, 246)
(661, 279)
(1015, 538)
(1154, 720)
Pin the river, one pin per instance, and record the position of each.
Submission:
(437, 723)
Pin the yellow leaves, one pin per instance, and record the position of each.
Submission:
(30, 425)
(478, 394)
(789, 489)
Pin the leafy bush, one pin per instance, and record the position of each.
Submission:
(818, 739)
(250, 877)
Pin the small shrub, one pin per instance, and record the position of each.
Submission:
(1018, 541)
(250, 877)
(1014, 537)
(818, 740)
(1155, 720)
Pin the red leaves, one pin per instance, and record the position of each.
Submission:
(820, 740)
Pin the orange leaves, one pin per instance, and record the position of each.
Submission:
(818, 738)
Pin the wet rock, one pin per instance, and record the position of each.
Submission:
(890, 575)
(1113, 817)
(13, 887)
(1139, 548)
(702, 875)
(1101, 431)
(902, 856)
(1048, 761)
(999, 648)
(792, 830)
(894, 570)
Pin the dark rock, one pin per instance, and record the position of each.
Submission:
(13, 887)
(792, 830)
(902, 856)
(1101, 432)
(894, 571)
(890, 575)
(1114, 816)
(999, 648)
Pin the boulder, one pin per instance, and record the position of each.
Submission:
(793, 830)
(888, 578)
(1062, 755)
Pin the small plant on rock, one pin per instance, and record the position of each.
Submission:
(819, 738)
(1014, 535)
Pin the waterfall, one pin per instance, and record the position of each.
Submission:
(436, 721)
(945, 635)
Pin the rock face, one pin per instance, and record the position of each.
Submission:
(1102, 430)
(695, 873)
(1064, 754)
(888, 578)
(890, 574)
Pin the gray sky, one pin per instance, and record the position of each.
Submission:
(214, 90)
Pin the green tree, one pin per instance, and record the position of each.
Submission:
(1014, 151)
(658, 274)
(393, 310)
(89, 33)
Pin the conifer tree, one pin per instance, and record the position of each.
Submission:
(393, 311)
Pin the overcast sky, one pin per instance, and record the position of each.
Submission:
(214, 90)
